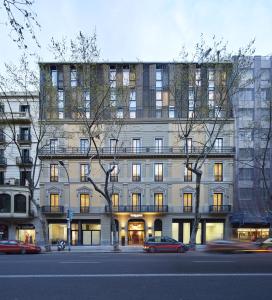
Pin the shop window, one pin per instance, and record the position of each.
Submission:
(91, 234)
(5, 203)
(26, 234)
(20, 203)
(57, 232)
(214, 231)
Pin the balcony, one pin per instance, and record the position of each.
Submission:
(15, 117)
(84, 209)
(53, 209)
(138, 208)
(24, 161)
(187, 209)
(219, 209)
(3, 162)
(24, 138)
(124, 152)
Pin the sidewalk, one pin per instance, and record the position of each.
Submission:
(108, 249)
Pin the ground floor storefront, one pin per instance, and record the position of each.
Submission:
(250, 232)
(24, 232)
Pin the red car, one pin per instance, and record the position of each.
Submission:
(18, 247)
(163, 244)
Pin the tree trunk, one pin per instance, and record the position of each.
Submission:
(115, 242)
(197, 214)
(44, 227)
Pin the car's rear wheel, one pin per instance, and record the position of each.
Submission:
(180, 250)
(152, 249)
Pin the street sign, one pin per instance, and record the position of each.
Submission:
(70, 214)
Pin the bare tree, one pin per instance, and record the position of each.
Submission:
(206, 116)
(22, 20)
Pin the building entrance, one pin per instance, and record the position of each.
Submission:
(136, 232)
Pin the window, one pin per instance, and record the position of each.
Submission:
(189, 145)
(120, 113)
(158, 91)
(25, 134)
(54, 202)
(86, 103)
(132, 104)
(217, 201)
(218, 144)
(158, 145)
(136, 145)
(136, 201)
(113, 145)
(19, 203)
(115, 200)
(84, 146)
(171, 112)
(53, 144)
(54, 173)
(188, 175)
(114, 173)
(2, 177)
(61, 103)
(84, 203)
(84, 171)
(158, 201)
(5, 203)
(73, 73)
(158, 172)
(218, 172)
(24, 108)
(198, 77)
(126, 75)
(136, 172)
(54, 76)
(187, 202)
(25, 177)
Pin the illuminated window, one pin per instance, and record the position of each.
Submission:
(84, 203)
(218, 172)
(54, 173)
(136, 172)
(217, 201)
(136, 201)
(188, 175)
(158, 200)
(115, 200)
(114, 173)
(54, 202)
(84, 171)
(158, 172)
(187, 202)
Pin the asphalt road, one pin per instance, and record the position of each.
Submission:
(97, 276)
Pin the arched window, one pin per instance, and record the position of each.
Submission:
(5, 203)
(158, 227)
(19, 203)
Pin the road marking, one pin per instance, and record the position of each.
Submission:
(212, 261)
(79, 262)
(26, 276)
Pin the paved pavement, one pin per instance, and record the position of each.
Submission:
(134, 276)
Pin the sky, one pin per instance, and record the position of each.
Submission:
(147, 30)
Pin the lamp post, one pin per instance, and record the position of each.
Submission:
(69, 206)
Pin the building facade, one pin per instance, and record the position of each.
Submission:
(17, 149)
(252, 109)
(152, 191)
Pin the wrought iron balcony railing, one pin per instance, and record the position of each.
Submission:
(187, 209)
(3, 162)
(130, 151)
(24, 138)
(220, 208)
(53, 209)
(24, 160)
(138, 208)
(84, 209)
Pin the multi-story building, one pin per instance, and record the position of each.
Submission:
(153, 193)
(252, 107)
(17, 149)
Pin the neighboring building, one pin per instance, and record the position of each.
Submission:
(252, 108)
(16, 212)
(153, 193)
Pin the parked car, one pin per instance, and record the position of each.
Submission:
(228, 246)
(265, 244)
(163, 244)
(12, 246)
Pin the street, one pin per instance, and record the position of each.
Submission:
(190, 276)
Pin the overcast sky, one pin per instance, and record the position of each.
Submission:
(149, 30)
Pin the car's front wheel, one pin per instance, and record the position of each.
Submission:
(23, 251)
(180, 250)
(152, 249)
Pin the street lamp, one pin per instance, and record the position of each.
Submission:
(69, 206)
